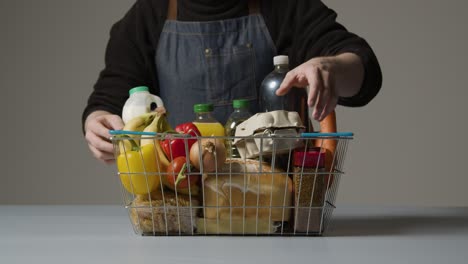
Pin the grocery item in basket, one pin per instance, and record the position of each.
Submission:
(309, 189)
(180, 177)
(208, 154)
(140, 162)
(138, 170)
(248, 188)
(236, 226)
(159, 215)
(240, 114)
(158, 125)
(269, 101)
(176, 145)
(269, 133)
(328, 125)
(205, 121)
(140, 102)
(138, 123)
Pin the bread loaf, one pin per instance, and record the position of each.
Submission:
(248, 188)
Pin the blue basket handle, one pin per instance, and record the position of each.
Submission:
(317, 134)
(126, 132)
(304, 135)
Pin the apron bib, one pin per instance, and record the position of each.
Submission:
(212, 62)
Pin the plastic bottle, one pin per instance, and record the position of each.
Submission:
(140, 102)
(240, 114)
(205, 121)
(269, 101)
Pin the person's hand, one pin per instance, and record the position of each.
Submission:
(97, 126)
(327, 79)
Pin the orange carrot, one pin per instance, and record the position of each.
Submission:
(328, 125)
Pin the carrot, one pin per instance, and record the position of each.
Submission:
(328, 125)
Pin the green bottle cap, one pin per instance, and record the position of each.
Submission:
(201, 108)
(240, 103)
(138, 89)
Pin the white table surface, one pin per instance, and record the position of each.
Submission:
(103, 234)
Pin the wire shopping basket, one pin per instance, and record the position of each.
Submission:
(279, 186)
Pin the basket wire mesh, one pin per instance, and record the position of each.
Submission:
(246, 196)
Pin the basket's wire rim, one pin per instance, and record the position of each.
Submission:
(278, 174)
(304, 135)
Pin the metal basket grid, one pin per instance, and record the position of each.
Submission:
(235, 211)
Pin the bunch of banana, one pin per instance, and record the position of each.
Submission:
(136, 124)
(150, 122)
(159, 125)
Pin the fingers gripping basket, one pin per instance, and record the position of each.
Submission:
(290, 192)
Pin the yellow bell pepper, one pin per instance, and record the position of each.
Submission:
(139, 170)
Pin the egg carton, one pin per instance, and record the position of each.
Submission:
(269, 133)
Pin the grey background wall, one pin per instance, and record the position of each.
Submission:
(410, 141)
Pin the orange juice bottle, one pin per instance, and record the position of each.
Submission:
(205, 121)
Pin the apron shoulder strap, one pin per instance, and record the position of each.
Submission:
(172, 10)
(254, 8)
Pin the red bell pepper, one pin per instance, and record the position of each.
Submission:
(175, 147)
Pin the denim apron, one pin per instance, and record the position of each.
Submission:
(212, 62)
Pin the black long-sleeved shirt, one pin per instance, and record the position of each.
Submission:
(301, 29)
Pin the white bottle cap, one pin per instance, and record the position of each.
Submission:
(281, 59)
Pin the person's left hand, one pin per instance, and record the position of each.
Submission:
(327, 78)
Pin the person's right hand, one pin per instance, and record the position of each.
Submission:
(97, 126)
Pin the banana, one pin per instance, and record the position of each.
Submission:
(159, 125)
(138, 123)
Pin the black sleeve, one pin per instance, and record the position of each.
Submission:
(316, 33)
(129, 58)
